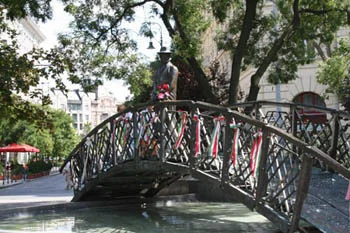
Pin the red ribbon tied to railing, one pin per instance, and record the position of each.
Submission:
(235, 144)
(215, 136)
(255, 153)
(181, 128)
(197, 148)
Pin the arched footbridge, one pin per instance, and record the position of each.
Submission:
(273, 157)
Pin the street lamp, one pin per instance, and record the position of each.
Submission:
(150, 46)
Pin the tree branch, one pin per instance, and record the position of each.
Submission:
(296, 17)
(319, 50)
(247, 27)
(121, 16)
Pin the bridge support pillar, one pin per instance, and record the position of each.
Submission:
(263, 176)
(335, 136)
(226, 148)
(303, 187)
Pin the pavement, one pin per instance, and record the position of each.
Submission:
(325, 205)
(47, 190)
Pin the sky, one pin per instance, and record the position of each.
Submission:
(60, 24)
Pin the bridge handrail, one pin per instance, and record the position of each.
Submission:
(312, 151)
(209, 106)
(260, 103)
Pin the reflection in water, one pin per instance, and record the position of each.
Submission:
(163, 217)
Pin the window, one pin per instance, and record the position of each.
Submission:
(75, 117)
(74, 107)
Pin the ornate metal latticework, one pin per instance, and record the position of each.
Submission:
(283, 168)
(264, 156)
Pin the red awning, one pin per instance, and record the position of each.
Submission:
(13, 147)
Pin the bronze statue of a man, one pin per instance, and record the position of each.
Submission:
(165, 78)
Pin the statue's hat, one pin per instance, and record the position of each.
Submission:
(164, 50)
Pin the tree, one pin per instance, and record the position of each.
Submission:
(279, 41)
(38, 9)
(275, 42)
(100, 45)
(334, 70)
(64, 136)
(56, 139)
(20, 72)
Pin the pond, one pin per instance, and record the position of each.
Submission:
(162, 216)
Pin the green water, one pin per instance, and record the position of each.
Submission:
(166, 217)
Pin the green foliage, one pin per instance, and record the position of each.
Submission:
(281, 39)
(100, 47)
(36, 166)
(16, 168)
(39, 9)
(220, 8)
(20, 72)
(189, 15)
(57, 139)
(63, 135)
(140, 79)
(335, 69)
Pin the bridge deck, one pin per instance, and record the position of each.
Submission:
(326, 203)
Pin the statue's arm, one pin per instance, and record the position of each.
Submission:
(174, 76)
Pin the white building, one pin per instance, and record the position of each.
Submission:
(86, 109)
(29, 35)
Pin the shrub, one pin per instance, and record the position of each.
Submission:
(16, 168)
(36, 166)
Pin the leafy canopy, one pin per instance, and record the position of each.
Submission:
(336, 69)
(21, 71)
(56, 139)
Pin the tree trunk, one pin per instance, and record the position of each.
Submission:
(203, 82)
(255, 79)
(247, 27)
(201, 78)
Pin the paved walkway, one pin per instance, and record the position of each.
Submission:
(46, 190)
(325, 206)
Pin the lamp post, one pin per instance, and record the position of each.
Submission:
(161, 35)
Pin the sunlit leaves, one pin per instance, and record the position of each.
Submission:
(189, 14)
(20, 72)
(335, 69)
(220, 8)
(57, 138)
(38, 9)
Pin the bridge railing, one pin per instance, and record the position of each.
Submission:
(267, 157)
(327, 129)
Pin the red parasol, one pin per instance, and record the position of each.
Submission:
(13, 147)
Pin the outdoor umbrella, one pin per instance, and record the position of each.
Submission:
(14, 147)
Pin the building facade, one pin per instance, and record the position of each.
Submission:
(86, 109)
(305, 89)
(29, 35)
